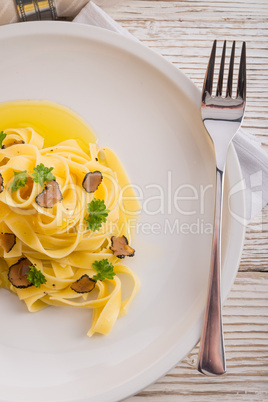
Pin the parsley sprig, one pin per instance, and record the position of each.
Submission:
(19, 181)
(97, 214)
(42, 174)
(105, 270)
(2, 137)
(36, 277)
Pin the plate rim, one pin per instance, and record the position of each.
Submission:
(173, 73)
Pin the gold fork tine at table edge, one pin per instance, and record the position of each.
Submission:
(222, 118)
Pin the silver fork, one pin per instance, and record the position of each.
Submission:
(222, 117)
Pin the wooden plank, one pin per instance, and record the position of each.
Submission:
(255, 251)
(182, 31)
(245, 317)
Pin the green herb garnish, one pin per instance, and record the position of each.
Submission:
(2, 137)
(20, 180)
(36, 277)
(97, 214)
(105, 270)
(42, 174)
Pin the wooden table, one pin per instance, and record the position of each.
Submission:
(183, 31)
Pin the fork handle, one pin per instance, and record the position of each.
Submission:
(211, 352)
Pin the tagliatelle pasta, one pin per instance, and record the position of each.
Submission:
(49, 224)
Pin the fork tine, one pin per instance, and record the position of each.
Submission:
(208, 82)
(220, 79)
(230, 75)
(241, 85)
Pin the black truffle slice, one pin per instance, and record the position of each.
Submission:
(1, 183)
(120, 247)
(92, 181)
(49, 196)
(26, 191)
(7, 241)
(84, 285)
(17, 274)
(13, 143)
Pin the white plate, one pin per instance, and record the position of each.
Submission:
(148, 112)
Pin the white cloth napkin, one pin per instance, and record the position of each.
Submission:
(253, 159)
(93, 15)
